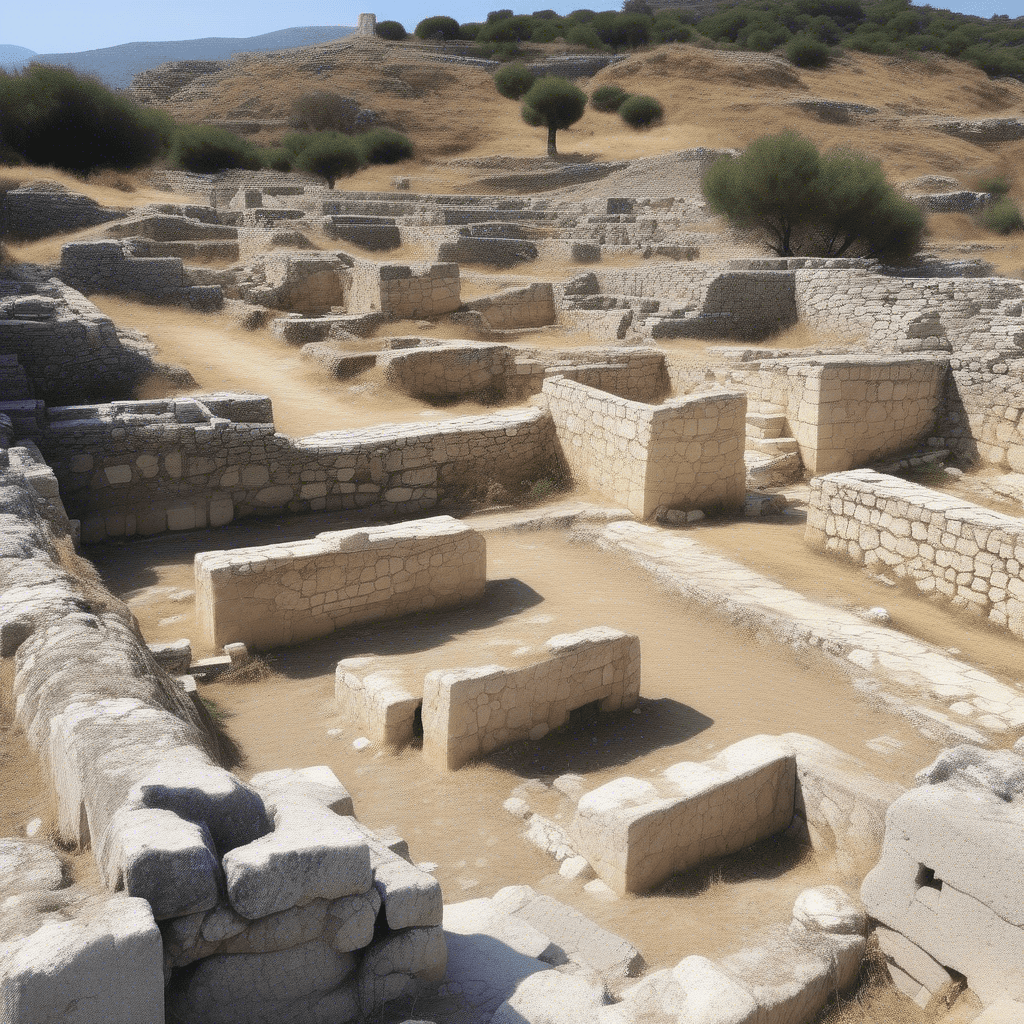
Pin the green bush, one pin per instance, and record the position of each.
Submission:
(584, 35)
(384, 146)
(277, 158)
(324, 111)
(641, 111)
(330, 155)
(996, 185)
(1003, 216)
(554, 103)
(608, 98)
(803, 204)
(440, 25)
(502, 15)
(508, 30)
(393, 30)
(469, 30)
(808, 52)
(295, 142)
(206, 149)
(668, 29)
(514, 80)
(55, 117)
(547, 31)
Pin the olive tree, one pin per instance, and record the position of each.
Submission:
(806, 204)
(553, 103)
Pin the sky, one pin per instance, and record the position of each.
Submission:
(67, 26)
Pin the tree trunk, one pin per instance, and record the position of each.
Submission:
(551, 141)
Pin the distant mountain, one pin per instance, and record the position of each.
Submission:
(118, 65)
(12, 57)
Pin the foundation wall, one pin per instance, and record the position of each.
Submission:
(283, 594)
(532, 306)
(684, 454)
(405, 292)
(181, 467)
(470, 712)
(846, 411)
(448, 370)
(637, 833)
(970, 555)
(637, 374)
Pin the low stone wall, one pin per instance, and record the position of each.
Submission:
(636, 833)
(107, 267)
(47, 208)
(448, 370)
(305, 282)
(469, 712)
(532, 306)
(848, 410)
(970, 555)
(684, 454)
(637, 374)
(405, 292)
(283, 594)
(144, 468)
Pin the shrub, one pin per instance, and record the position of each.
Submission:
(52, 116)
(608, 98)
(330, 155)
(206, 149)
(554, 103)
(584, 35)
(439, 26)
(804, 204)
(627, 31)
(277, 158)
(295, 142)
(324, 112)
(995, 185)
(545, 31)
(469, 30)
(669, 30)
(384, 146)
(508, 30)
(641, 111)
(502, 15)
(514, 80)
(393, 30)
(808, 52)
(1003, 216)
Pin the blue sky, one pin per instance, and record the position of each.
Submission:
(63, 26)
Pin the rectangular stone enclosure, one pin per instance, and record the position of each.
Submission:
(637, 833)
(469, 712)
(283, 594)
(970, 555)
(684, 454)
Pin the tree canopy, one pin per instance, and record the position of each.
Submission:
(554, 103)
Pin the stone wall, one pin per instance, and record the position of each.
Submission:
(469, 712)
(637, 833)
(684, 454)
(144, 468)
(970, 555)
(449, 370)
(47, 208)
(847, 410)
(281, 594)
(405, 292)
(531, 306)
(639, 374)
(107, 267)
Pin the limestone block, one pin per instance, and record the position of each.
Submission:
(553, 997)
(318, 784)
(312, 853)
(105, 963)
(26, 867)
(829, 909)
(351, 921)
(305, 983)
(408, 962)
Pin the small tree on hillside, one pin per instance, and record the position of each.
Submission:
(513, 81)
(440, 26)
(553, 103)
(329, 155)
(804, 204)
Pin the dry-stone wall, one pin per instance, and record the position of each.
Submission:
(144, 468)
(946, 891)
(970, 555)
(847, 410)
(281, 594)
(637, 833)
(684, 454)
(449, 370)
(470, 712)
(530, 306)
(639, 374)
(48, 208)
(405, 292)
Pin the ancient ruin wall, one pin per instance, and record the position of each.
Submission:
(684, 454)
(847, 410)
(448, 370)
(637, 833)
(281, 594)
(970, 555)
(470, 712)
(639, 374)
(532, 306)
(173, 465)
(405, 292)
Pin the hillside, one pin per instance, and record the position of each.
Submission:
(12, 57)
(116, 66)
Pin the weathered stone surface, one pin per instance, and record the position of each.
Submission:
(553, 997)
(318, 784)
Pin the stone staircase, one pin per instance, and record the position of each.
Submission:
(772, 457)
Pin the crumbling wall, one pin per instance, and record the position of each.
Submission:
(469, 712)
(281, 594)
(638, 374)
(684, 454)
(968, 554)
(48, 208)
(449, 370)
(405, 292)
(144, 468)
(530, 306)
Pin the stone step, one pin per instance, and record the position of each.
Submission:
(773, 445)
(765, 425)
